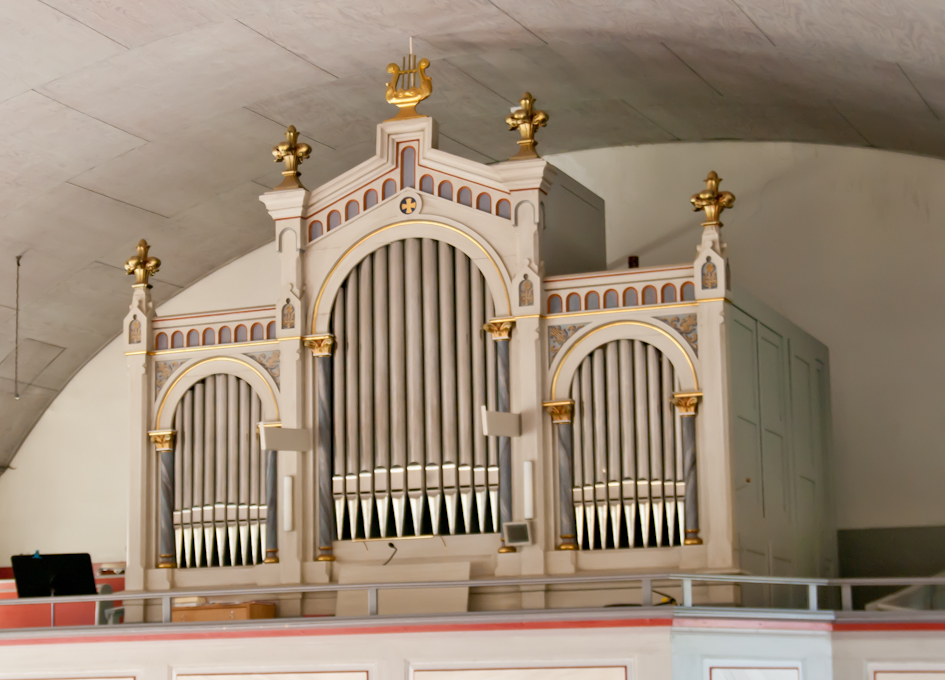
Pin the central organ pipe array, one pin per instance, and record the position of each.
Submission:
(411, 369)
(627, 460)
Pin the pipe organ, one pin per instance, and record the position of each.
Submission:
(412, 369)
(447, 358)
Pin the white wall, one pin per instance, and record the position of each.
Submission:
(844, 242)
(69, 491)
(848, 244)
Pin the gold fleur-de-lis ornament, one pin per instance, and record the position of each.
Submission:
(712, 200)
(142, 266)
(292, 154)
(526, 120)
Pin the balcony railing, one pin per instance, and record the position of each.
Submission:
(818, 592)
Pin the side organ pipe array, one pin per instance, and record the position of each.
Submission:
(410, 370)
(628, 487)
(222, 493)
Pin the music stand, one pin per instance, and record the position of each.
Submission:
(44, 575)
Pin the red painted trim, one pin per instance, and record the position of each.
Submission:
(353, 630)
(850, 626)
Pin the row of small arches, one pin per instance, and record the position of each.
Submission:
(503, 208)
(630, 298)
(209, 337)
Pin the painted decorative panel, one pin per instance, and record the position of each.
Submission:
(687, 326)
(270, 361)
(558, 335)
(164, 370)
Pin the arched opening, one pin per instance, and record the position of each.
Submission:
(504, 209)
(465, 197)
(630, 297)
(484, 203)
(669, 293)
(314, 230)
(574, 302)
(554, 304)
(334, 219)
(446, 190)
(408, 161)
(351, 210)
(426, 184)
(649, 295)
(177, 340)
(160, 342)
(208, 336)
(225, 337)
(271, 330)
(592, 301)
(241, 333)
(611, 300)
(370, 198)
(389, 188)
(193, 338)
(688, 292)
(256, 333)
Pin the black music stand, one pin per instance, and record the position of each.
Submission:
(44, 575)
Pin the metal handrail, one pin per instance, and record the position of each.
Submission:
(646, 585)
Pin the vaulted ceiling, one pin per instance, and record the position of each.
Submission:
(123, 119)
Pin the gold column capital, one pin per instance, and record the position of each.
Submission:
(561, 411)
(163, 440)
(142, 266)
(712, 200)
(499, 329)
(686, 402)
(292, 154)
(321, 345)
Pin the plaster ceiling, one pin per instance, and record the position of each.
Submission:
(123, 119)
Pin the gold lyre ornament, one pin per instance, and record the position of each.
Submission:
(527, 121)
(712, 201)
(142, 266)
(413, 92)
(292, 154)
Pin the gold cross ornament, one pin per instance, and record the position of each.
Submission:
(408, 205)
(142, 266)
(712, 201)
(292, 154)
(527, 121)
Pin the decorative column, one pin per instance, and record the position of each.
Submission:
(272, 509)
(322, 346)
(685, 403)
(164, 445)
(561, 414)
(501, 332)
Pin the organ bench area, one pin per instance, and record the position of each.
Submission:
(657, 420)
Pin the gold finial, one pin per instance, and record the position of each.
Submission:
(142, 266)
(712, 201)
(292, 154)
(527, 121)
(406, 98)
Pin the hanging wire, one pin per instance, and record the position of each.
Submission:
(16, 336)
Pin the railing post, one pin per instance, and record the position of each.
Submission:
(372, 601)
(646, 593)
(812, 596)
(846, 597)
(166, 609)
(687, 592)
(52, 614)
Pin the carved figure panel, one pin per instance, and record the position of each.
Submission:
(710, 276)
(271, 362)
(687, 326)
(526, 293)
(288, 315)
(164, 370)
(558, 335)
(134, 331)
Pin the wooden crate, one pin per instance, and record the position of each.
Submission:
(224, 612)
